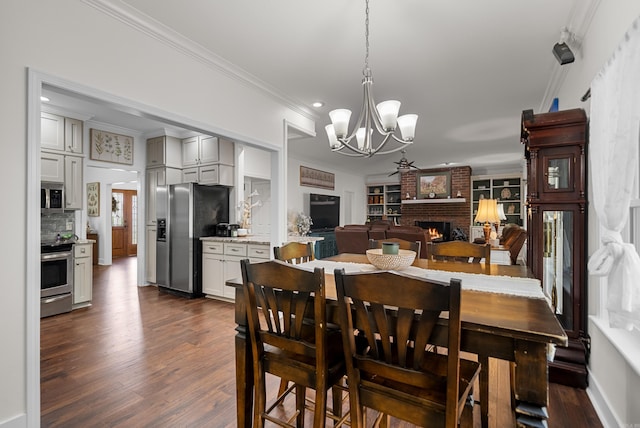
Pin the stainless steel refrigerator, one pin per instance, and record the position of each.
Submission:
(185, 212)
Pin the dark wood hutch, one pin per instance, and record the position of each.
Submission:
(555, 151)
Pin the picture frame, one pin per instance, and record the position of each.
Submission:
(93, 199)
(434, 185)
(315, 178)
(110, 147)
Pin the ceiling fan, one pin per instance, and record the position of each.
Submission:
(403, 165)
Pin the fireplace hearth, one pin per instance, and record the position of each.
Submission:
(440, 231)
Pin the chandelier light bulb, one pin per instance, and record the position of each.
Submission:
(331, 134)
(340, 120)
(407, 124)
(388, 111)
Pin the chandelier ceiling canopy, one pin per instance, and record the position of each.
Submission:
(383, 117)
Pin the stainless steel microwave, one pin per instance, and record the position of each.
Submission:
(51, 197)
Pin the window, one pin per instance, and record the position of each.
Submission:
(117, 209)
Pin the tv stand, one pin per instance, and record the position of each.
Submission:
(327, 247)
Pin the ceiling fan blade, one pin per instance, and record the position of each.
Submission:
(393, 173)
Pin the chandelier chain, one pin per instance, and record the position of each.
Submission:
(367, 70)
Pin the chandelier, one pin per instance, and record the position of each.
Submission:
(384, 117)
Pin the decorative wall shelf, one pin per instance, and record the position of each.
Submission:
(435, 201)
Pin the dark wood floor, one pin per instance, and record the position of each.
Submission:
(141, 358)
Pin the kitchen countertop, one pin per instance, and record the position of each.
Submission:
(250, 239)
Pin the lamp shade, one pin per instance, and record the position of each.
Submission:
(407, 124)
(388, 111)
(487, 211)
(501, 213)
(331, 134)
(340, 120)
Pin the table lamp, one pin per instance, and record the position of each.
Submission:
(502, 216)
(487, 213)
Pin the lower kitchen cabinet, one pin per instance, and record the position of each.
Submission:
(221, 262)
(82, 275)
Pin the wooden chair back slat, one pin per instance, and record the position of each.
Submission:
(294, 252)
(460, 251)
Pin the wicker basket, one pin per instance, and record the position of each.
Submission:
(398, 261)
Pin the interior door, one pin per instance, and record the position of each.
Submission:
(124, 224)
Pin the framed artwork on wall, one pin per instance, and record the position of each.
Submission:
(110, 147)
(315, 178)
(434, 185)
(93, 199)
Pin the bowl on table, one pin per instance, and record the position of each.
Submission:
(398, 261)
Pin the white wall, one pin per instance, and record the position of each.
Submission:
(298, 196)
(73, 43)
(614, 385)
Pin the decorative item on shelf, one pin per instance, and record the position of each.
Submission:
(384, 117)
(459, 194)
(487, 214)
(303, 224)
(245, 212)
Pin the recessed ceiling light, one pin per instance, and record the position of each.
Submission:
(45, 99)
(318, 104)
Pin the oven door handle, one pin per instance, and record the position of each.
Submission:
(55, 256)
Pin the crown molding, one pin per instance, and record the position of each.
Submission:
(155, 29)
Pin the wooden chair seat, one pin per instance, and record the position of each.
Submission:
(289, 338)
(460, 251)
(399, 373)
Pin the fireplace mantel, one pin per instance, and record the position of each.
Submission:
(435, 201)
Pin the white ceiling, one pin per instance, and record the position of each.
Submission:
(468, 68)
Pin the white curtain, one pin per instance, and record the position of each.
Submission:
(614, 144)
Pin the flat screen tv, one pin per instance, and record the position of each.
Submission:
(324, 211)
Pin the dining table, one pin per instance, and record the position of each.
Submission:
(514, 327)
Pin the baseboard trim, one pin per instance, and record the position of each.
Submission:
(19, 421)
(601, 405)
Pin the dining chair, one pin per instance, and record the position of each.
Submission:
(460, 251)
(294, 252)
(289, 338)
(403, 244)
(395, 371)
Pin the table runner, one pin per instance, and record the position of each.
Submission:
(525, 287)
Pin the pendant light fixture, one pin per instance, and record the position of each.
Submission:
(383, 117)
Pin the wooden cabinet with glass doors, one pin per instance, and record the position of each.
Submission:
(555, 150)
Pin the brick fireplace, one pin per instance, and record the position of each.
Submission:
(457, 213)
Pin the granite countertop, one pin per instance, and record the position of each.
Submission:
(250, 239)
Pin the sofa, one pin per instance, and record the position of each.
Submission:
(354, 238)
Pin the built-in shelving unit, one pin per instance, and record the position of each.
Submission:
(384, 201)
(507, 189)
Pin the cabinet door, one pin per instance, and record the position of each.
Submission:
(212, 270)
(155, 151)
(51, 167)
(208, 150)
(151, 185)
(231, 270)
(190, 151)
(73, 135)
(83, 282)
(561, 169)
(150, 255)
(208, 174)
(190, 175)
(51, 132)
(73, 184)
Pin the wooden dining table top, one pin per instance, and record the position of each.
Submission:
(504, 314)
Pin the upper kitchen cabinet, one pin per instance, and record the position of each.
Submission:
(73, 183)
(164, 151)
(204, 150)
(61, 134)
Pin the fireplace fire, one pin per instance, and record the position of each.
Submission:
(440, 231)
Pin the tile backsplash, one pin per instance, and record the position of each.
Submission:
(52, 224)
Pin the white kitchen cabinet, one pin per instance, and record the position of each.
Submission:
(164, 151)
(73, 183)
(150, 254)
(221, 262)
(82, 274)
(209, 174)
(158, 177)
(62, 134)
(51, 167)
(204, 150)
(51, 132)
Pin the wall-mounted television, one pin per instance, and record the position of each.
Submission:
(324, 211)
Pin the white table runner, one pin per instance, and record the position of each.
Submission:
(525, 287)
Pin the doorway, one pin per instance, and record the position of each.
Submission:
(124, 224)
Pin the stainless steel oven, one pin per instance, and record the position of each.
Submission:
(56, 279)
